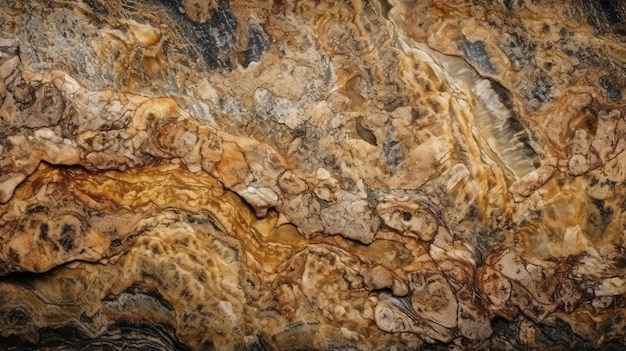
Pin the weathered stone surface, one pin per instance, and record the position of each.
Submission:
(273, 175)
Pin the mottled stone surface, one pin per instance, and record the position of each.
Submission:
(312, 175)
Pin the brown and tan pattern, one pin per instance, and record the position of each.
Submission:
(312, 175)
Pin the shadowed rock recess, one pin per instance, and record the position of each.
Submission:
(312, 175)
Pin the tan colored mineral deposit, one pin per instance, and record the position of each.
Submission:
(312, 175)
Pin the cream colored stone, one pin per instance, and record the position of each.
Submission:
(320, 175)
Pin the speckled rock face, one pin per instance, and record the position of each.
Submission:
(312, 175)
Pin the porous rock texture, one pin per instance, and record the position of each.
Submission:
(312, 175)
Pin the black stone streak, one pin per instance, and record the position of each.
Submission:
(475, 53)
(18, 317)
(513, 4)
(602, 14)
(611, 89)
(215, 38)
(514, 122)
(606, 213)
(122, 336)
(257, 44)
(97, 6)
(37, 209)
(507, 333)
(43, 231)
(611, 10)
(562, 334)
(204, 218)
(559, 335)
(67, 237)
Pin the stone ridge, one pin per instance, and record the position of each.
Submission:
(252, 175)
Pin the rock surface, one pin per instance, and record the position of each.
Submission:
(274, 175)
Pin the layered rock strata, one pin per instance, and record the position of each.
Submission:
(237, 175)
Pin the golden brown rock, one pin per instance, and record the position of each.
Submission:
(249, 175)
